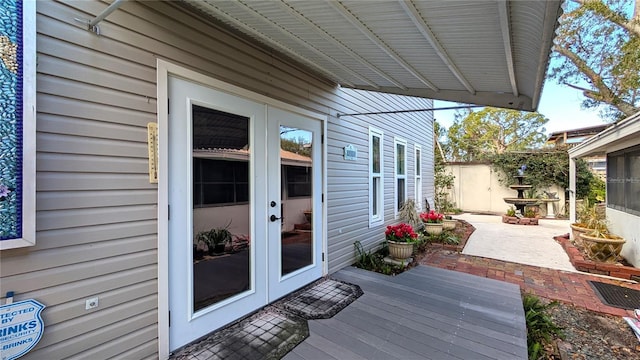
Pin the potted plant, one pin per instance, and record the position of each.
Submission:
(600, 245)
(409, 214)
(587, 217)
(219, 237)
(308, 215)
(215, 239)
(449, 223)
(202, 246)
(400, 239)
(432, 222)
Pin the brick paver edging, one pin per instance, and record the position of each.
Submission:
(586, 265)
(519, 221)
(565, 286)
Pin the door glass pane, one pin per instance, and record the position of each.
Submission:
(296, 238)
(221, 215)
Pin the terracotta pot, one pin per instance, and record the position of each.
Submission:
(400, 250)
(601, 249)
(449, 224)
(433, 228)
(307, 215)
(577, 231)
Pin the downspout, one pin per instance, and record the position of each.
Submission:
(572, 189)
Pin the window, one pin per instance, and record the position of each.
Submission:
(418, 176)
(623, 180)
(376, 178)
(218, 182)
(400, 158)
(298, 181)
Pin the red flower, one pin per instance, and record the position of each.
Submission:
(400, 233)
(431, 217)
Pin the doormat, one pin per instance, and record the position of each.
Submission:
(268, 334)
(321, 300)
(616, 296)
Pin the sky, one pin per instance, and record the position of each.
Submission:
(559, 103)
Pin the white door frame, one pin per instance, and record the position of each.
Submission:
(164, 68)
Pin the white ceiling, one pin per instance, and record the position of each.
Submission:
(487, 52)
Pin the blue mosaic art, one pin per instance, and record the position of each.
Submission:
(11, 119)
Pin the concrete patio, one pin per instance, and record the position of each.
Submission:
(523, 244)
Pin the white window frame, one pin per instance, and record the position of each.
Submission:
(28, 199)
(399, 141)
(417, 165)
(376, 218)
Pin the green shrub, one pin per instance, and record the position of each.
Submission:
(374, 261)
(540, 327)
(446, 237)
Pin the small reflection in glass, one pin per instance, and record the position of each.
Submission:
(297, 199)
(221, 215)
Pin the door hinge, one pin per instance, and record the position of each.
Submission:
(322, 198)
(168, 106)
(168, 212)
(323, 257)
(322, 139)
(169, 318)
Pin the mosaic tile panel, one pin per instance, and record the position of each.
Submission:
(10, 119)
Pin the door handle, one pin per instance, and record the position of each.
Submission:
(274, 218)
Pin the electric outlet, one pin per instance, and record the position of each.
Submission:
(91, 303)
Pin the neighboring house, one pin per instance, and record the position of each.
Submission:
(477, 188)
(570, 138)
(620, 144)
(235, 76)
(221, 189)
(573, 137)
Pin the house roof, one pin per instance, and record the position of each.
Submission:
(585, 131)
(286, 157)
(620, 135)
(482, 52)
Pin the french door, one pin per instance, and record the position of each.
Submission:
(245, 225)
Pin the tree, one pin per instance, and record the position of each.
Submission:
(546, 167)
(489, 131)
(598, 52)
(297, 146)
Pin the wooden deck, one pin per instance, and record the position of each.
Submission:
(424, 313)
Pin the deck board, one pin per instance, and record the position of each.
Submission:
(424, 313)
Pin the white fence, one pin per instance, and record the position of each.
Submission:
(476, 188)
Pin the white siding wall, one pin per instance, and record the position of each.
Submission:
(628, 226)
(96, 211)
(348, 207)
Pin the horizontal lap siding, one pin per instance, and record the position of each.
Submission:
(96, 210)
(348, 183)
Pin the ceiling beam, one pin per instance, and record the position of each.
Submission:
(320, 31)
(381, 44)
(211, 5)
(505, 27)
(423, 27)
